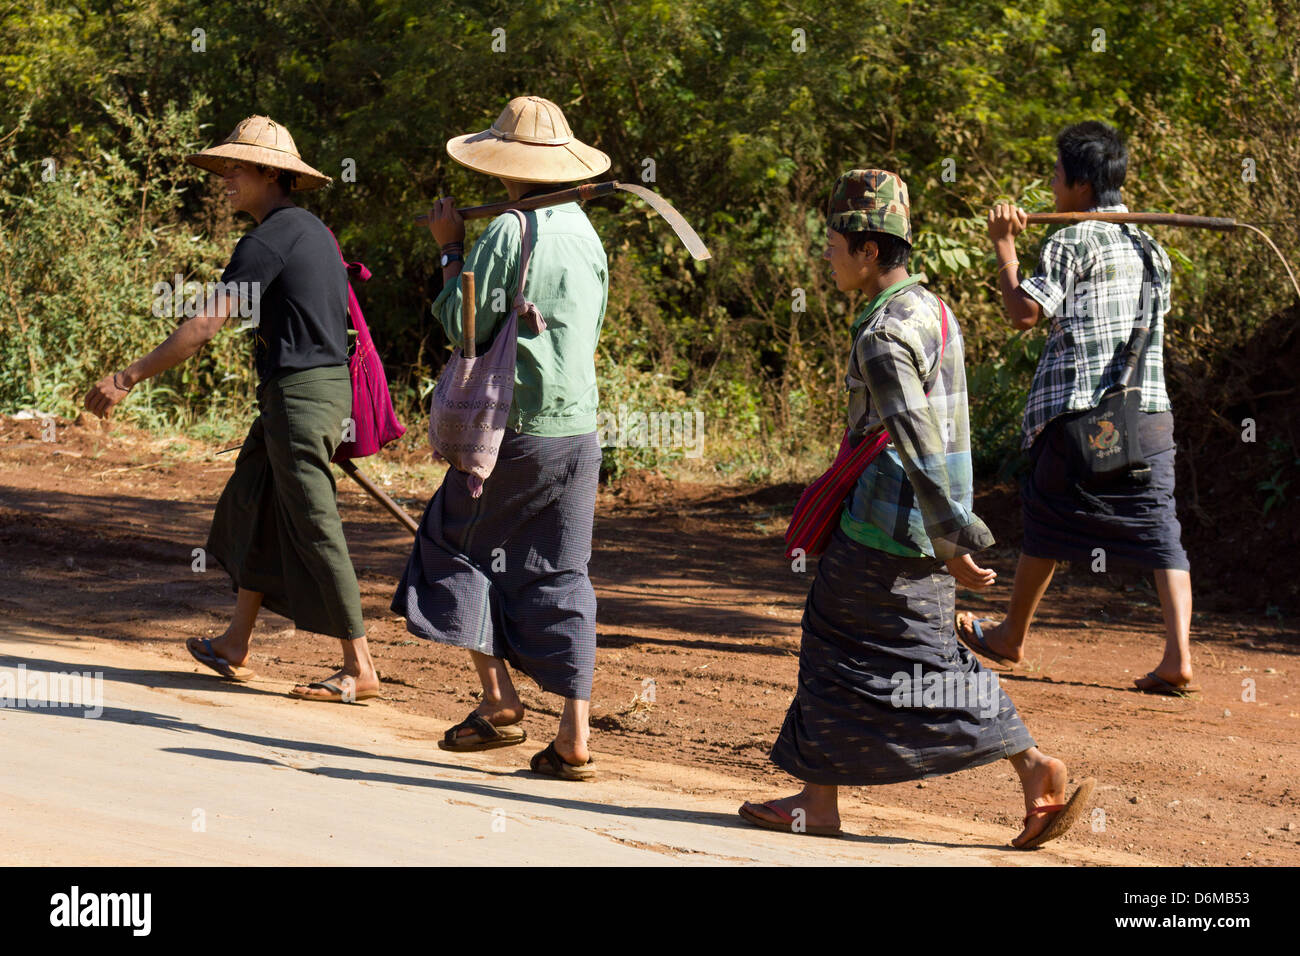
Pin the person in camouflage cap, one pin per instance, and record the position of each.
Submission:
(879, 614)
(871, 200)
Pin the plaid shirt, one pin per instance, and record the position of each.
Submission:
(915, 499)
(1090, 281)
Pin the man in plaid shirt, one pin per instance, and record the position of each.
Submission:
(1091, 285)
(1089, 277)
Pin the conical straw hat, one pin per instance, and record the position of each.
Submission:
(259, 139)
(530, 142)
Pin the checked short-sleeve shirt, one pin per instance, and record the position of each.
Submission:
(1090, 282)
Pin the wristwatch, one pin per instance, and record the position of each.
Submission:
(449, 257)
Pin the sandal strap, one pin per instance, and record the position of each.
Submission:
(327, 685)
(548, 756)
(1049, 808)
(475, 722)
(785, 817)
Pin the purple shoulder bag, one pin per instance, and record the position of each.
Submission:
(471, 402)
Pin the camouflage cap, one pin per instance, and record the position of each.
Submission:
(870, 199)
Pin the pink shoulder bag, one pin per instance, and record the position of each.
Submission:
(372, 406)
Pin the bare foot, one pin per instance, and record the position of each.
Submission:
(1044, 780)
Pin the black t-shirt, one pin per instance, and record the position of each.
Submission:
(302, 312)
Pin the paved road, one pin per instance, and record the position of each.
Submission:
(181, 769)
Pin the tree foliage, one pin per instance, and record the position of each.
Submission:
(746, 110)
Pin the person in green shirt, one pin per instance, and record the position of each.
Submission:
(504, 575)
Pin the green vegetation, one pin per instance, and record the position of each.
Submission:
(746, 136)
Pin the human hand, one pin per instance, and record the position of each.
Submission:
(445, 222)
(1006, 221)
(101, 399)
(969, 574)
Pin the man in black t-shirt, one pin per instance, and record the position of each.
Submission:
(277, 529)
(297, 292)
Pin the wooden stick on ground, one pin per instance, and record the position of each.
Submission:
(397, 511)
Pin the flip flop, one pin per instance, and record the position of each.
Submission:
(977, 643)
(211, 659)
(336, 693)
(487, 735)
(749, 816)
(1065, 815)
(549, 763)
(1164, 688)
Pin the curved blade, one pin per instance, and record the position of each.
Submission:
(680, 226)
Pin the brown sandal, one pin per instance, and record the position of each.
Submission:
(549, 763)
(1065, 815)
(200, 649)
(336, 693)
(487, 735)
(1164, 688)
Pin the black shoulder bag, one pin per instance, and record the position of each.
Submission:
(1104, 440)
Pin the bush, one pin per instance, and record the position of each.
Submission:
(82, 245)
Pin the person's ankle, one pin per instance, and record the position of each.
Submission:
(570, 745)
(233, 650)
(1183, 672)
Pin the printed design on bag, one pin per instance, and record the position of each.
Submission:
(1105, 440)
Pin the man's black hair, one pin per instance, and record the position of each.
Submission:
(284, 179)
(1094, 153)
(891, 251)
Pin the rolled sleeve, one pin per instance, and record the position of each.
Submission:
(1054, 277)
(494, 260)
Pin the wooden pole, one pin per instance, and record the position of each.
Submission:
(583, 193)
(1151, 218)
(467, 314)
(1218, 223)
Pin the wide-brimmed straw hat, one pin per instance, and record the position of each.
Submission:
(530, 142)
(261, 140)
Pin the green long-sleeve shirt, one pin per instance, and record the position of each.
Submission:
(568, 280)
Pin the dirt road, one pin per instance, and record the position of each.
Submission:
(697, 610)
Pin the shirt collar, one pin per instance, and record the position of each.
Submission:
(1117, 207)
(884, 295)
